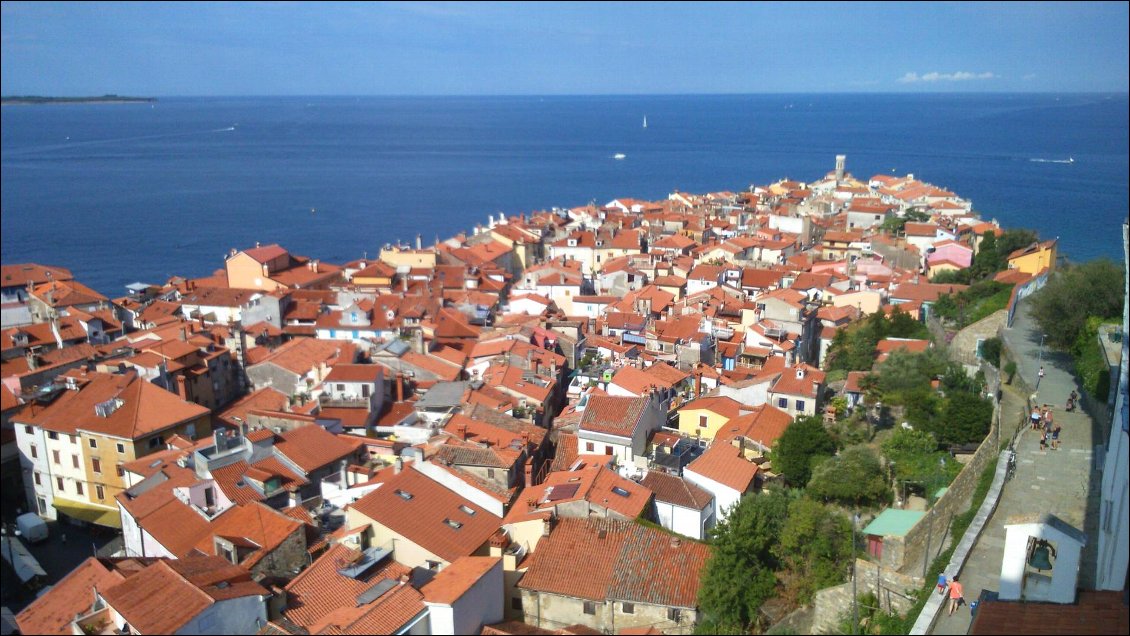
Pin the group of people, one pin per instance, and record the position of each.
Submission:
(1044, 421)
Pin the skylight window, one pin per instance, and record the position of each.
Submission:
(405, 495)
(453, 523)
(620, 491)
(467, 509)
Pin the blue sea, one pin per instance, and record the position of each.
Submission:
(126, 192)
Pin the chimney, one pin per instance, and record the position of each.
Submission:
(184, 334)
(419, 242)
(397, 466)
(404, 283)
(32, 361)
(314, 265)
(182, 389)
(344, 472)
(698, 384)
(399, 387)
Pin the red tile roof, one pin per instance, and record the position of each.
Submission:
(675, 490)
(321, 589)
(614, 415)
(422, 517)
(53, 612)
(724, 463)
(1093, 613)
(456, 579)
(607, 559)
(312, 447)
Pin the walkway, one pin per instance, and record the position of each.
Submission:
(1061, 482)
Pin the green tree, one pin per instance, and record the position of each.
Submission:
(1012, 240)
(987, 260)
(991, 351)
(1073, 295)
(739, 576)
(803, 441)
(965, 418)
(854, 477)
(815, 546)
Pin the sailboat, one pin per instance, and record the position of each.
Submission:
(645, 121)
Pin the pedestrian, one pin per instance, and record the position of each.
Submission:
(1043, 440)
(1055, 437)
(1035, 418)
(1040, 376)
(957, 595)
(942, 583)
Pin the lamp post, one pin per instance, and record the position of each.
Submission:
(1042, 336)
(854, 597)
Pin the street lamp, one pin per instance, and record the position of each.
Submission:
(854, 597)
(1042, 336)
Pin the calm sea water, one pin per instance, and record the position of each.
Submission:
(127, 192)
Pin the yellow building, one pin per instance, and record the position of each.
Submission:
(99, 422)
(1035, 258)
(703, 417)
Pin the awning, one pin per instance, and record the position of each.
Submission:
(90, 513)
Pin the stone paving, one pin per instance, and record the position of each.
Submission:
(1061, 482)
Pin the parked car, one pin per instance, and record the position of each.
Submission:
(32, 527)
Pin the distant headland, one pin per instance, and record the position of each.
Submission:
(104, 99)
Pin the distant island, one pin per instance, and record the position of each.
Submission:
(104, 99)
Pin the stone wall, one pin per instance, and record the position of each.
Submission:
(286, 559)
(894, 592)
(931, 532)
(963, 347)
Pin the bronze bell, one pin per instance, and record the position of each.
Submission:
(1041, 557)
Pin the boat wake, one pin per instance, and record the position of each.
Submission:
(1068, 160)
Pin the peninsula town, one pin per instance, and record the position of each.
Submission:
(546, 425)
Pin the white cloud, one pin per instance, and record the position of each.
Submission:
(960, 76)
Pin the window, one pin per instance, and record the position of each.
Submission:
(590, 607)
(433, 566)
(59, 483)
(404, 494)
(52, 435)
(74, 461)
(673, 614)
(800, 405)
(156, 442)
(490, 473)
(74, 439)
(121, 471)
(100, 492)
(628, 608)
(516, 603)
(341, 388)
(607, 450)
(620, 491)
(121, 448)
(96, 465)
(783, 403)
(451, 523)
(93, 442)
(28, 429)
(55, 457)
(34, 453)
(78, 487)
(590, 447)
(702, 420)
(38, 481)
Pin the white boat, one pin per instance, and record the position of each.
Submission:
(619, 155)
(645, 121)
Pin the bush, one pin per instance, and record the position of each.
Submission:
(854, 477)
(1062, 307)
(1009, 371)
(991, 351)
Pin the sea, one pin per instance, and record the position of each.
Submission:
(139, 192)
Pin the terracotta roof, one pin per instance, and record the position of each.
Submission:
(321, 588)
(19, 275)
(53, 612)
(419, 509)
(312, 447)
(607, 559)
(676, 490)
(67, 293)
(303, 354)
(764, 426)
(127, 407)
(266, 253)
(457, 578)
(391, 612)
(265, 527)
(354, 373)
(614, 415)
(724, 463)
(1093, 613)
(728, 407)
(164, 597)
(265, 399)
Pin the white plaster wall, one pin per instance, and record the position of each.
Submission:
(724, 496)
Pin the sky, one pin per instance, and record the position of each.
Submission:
(533, 48)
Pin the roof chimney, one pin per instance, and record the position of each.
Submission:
(397, 466)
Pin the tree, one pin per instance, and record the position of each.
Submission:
(854, 477)
(965, 418)
(1095, 288)
(739, 576)
(815, 546)
(991, 351)
(803, 441)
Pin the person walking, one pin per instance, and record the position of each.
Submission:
(1055, 437)
(957, 594)
(1039, 376)
(1035, 418)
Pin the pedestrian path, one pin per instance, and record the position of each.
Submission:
(1054, 481)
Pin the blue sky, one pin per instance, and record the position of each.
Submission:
(437, 48)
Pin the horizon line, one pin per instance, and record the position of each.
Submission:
(544, 95)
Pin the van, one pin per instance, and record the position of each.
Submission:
(33, 529)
